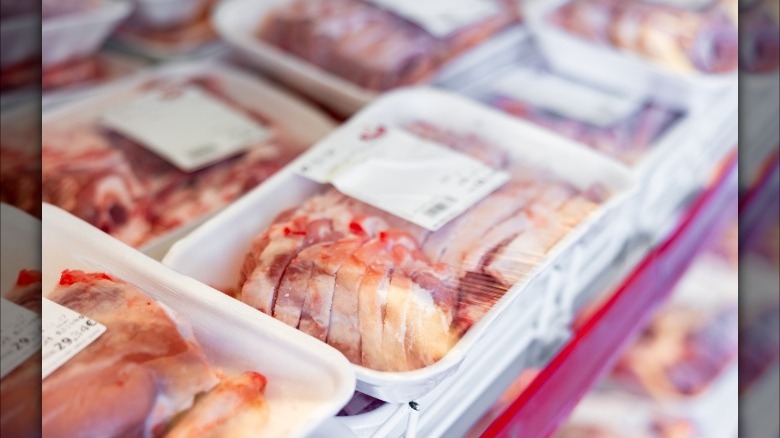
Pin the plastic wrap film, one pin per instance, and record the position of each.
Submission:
(145, 375)
(59, 8)
(627, 139)
(684, 40)
(135, 195)
(20, 402)
(391, 295)
(371, 46)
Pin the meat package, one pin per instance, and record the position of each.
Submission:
(136, 195)
(145, 376)
(176, 359)
(391, 295)
(704, 39)
(630, 129)
(344, 52)
(368, 44)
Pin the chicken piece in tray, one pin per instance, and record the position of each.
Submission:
(684, 40)
(145, 376)
(391, 295)
(370, 45)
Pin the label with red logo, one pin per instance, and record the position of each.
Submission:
(415, 179)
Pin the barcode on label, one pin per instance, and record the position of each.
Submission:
(437, 209)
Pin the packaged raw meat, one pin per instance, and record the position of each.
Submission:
(373, 43)
(700, 36)
(395, 285)
(98, 69)
(112, 178)
(169, 29)
(189, 361)
(621, 126)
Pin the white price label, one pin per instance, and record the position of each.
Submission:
(189, 128)
(412, 178)
(20, 335)
(440, 18)
(566, 98)
(64, 334)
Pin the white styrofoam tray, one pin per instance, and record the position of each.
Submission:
(308, 381)
(214, 252)
(303, 122)
(237, 22)
(21, 244)
(79, 35)
(616, 69)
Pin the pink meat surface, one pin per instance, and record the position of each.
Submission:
(134, 378)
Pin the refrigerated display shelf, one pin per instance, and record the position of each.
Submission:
(593, 349)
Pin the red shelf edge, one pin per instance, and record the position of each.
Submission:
(593, 349)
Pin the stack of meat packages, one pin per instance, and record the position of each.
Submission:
(391, 295)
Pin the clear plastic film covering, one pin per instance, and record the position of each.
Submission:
(684, 36)
(370, 44)
(392, 295)
(691, 342)
(122, 187)
(627, 138)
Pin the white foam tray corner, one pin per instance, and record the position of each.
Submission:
(214, 252)
(308, 381)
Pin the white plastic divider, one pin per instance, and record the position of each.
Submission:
(297, 118)
(308, 381)
(627, 71)
(214, 252)
(81, 34)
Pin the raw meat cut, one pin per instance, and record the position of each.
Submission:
(131, 193)
(20, 400)
(141, 372)
(391, 295)
(369, 45)
(235, 408)
(683, 40)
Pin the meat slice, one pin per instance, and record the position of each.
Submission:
(135, 377)
(344, 330)
(429, 334)
(236, 407)
(315, 316)
(371, 303)
(395, 326)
